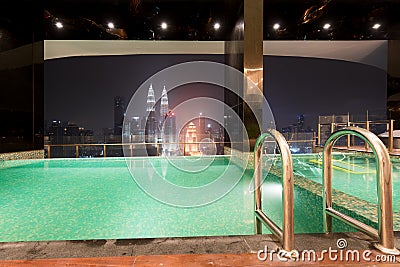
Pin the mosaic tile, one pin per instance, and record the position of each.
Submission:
(35, 154)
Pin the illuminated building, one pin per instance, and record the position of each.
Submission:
(191, 146)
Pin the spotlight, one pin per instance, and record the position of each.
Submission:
(376, 26)
(110, 25)
(326, 26)
(164, 26)
(276, 26)
(217, 26)
(59, 25)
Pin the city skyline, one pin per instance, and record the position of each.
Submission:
(82, 89)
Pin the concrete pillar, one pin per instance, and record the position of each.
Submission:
(253, 65)
(244, 51)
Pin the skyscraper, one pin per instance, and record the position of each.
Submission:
(119, 111)
(151, 121)
(151, 101)
(191, 147)
(168, 135)
(164, 105)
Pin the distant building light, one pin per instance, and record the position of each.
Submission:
(376, 26)
(217, 26)
(209, 125)
(111, 25)
(326, 26)
(164, 26)
(276, 26)
(59, 25)
(240, 25)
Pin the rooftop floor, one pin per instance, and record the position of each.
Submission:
(196, 251)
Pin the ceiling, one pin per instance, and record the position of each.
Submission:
(196, 19)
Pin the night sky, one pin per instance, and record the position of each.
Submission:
(82, 89)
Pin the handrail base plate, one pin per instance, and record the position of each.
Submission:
(291, 255)
(390, 251)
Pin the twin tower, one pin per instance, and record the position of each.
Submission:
(151, 102)
(163, 128)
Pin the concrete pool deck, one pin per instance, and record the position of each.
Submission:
(225, 251)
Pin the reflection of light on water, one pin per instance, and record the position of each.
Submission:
(272, 190)
(150, 173)
(208, 147)
(164, 166)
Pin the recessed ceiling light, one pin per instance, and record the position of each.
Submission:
(376, 26)
(59, 25)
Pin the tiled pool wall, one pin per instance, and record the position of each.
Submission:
(19, 158)
(359, 209)
(245, 160)
(34, 154)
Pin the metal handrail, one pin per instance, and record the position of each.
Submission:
(384, 235)
(285, 236)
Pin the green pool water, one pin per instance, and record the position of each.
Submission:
(353, 174)
(77, 199)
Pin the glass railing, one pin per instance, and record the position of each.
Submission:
(134, 149)
(301, 142)
(384, 129)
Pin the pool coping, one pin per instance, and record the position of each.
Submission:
(187, 245)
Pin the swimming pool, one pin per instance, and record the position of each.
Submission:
(353, 174)
(78, 199)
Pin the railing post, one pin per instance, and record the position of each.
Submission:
(77, 151)
(366, 128)
(104, 150)
(348, 136)
(131, 150)
(319, 134)
(390, 136)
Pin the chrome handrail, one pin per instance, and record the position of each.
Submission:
(384, 235)
(285, 236)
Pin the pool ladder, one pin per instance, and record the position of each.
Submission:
(285, 235)
(384, 235)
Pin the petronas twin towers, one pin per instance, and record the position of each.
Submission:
(151, 101)
(161, 129)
